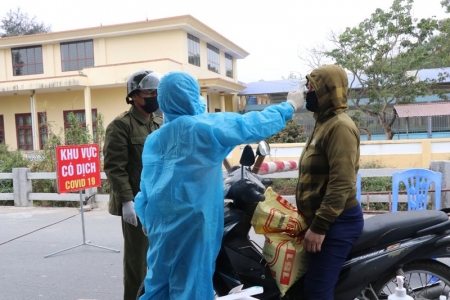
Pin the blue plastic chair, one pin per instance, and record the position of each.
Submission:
(417, 182)
(358, 187)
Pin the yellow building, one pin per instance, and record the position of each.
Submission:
(44, 77)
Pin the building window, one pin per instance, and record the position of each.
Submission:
(24, 132)
(213, 58)
(193, 50)
(27, 61)
(229, 65)
(77, 55)
(43, 131)
(2, 130)
(81, 119)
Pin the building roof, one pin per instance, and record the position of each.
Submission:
(423, 109)
(270, 87)
(186, 22)
(285, 85)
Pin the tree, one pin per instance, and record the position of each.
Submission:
(17, 23)
(383, 54)
(360, 123)
(292, 133)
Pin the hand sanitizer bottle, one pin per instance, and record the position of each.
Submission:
(400, 291)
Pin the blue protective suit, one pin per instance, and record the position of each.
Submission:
(181, 199)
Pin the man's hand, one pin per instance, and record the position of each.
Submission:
(297, 98)
(144, 231)
(313, 241)
(128, 213)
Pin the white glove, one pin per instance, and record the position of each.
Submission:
(128, 213)
(297, 98)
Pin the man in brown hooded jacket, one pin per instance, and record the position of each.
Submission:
(326, 190)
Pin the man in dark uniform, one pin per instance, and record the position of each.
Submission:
(124, 142)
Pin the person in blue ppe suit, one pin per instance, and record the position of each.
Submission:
(180, 204)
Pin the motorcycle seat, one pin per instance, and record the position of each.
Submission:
(390, 228)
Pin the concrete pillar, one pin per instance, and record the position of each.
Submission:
(242, 103)
(21, 187)
(222, 101)
(204, 92)
(88, 109)
(426, 153)
(258, 99)
(34, 122)
(443, 166)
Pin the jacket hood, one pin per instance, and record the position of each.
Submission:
(331, 85)
(179, 95)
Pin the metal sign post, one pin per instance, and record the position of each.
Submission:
(78, 168)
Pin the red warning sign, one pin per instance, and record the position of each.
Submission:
(78, 167)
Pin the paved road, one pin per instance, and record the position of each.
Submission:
(27, 235)
(85, 272)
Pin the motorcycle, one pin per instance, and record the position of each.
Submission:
(401, 243)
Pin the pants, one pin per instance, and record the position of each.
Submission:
(183, 254)
(134, 259)
(324, 267)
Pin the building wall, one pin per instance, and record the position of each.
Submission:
(108, 102)
(119, 50)
(383, 153)
(146, 46)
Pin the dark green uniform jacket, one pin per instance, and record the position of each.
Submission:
(124, 142)
(330, 160)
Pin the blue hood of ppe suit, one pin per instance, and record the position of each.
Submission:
(179, 95)
(181, 199)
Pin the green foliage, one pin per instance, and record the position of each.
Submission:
(375, 184)
(284, 186)
(438, 45)
(292, 133)
(360, 123)
(8, 161)
(101, 133)
(11, 159)
(76, 134)
(17, 23)
(380, 53)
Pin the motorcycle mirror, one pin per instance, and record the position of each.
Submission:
(247, 157)
(263, 148)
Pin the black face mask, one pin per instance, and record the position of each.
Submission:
(312, 103)
(151, 104)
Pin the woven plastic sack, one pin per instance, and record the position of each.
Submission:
(285, 257)
(284, 228)
(277, 215)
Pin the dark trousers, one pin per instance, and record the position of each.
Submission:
(134, 259)
(324, 266)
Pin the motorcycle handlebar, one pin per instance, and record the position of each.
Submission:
(253, 195)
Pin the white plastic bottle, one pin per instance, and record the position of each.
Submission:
(400, 291)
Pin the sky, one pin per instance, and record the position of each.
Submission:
(276, 33)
